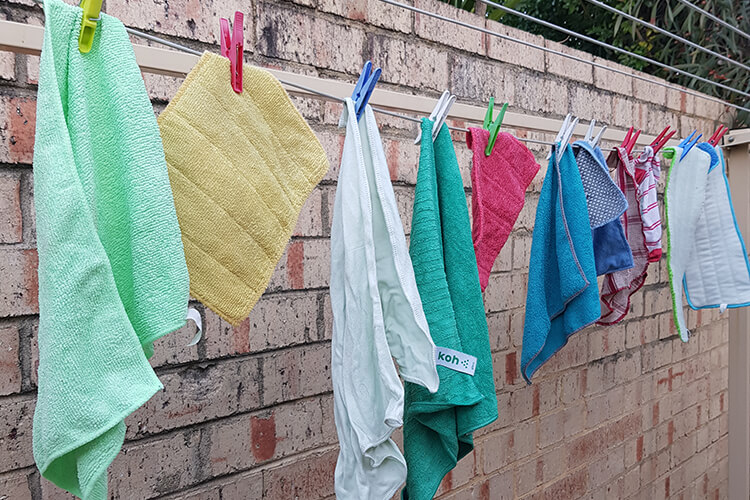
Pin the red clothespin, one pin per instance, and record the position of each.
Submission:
(631, 144)
(662, 139)
(232, 47)
(714, 140)
(627, 137)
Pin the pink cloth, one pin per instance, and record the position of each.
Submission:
(619, 286)
(498, 185)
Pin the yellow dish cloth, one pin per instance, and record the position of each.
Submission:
(241, 167)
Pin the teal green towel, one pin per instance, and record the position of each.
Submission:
(438, 427)
(112, 273)
(562, 296)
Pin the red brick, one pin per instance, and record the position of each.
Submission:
(15, 434)
(10, 365)
(571, 486)
(309, 477)
(19, 287)
(17, 123)
(11, 220)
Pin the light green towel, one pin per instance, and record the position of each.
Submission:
(112, 274)
(438, 427)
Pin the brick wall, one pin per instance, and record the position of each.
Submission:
(627, 411)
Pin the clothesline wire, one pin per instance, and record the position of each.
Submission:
(611, 47)
(667, 33)
(566, 55)
(714, 18)
(188, 50)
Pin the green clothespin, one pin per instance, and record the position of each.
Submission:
(493, 126)
(91, 12)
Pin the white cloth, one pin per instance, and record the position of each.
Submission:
(377, 316)
(706, 254)
(721, 273)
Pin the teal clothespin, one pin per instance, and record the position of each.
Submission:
(493, 126)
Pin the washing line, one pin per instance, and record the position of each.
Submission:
(667, 33)
(660, 83)
(714, 18)
(606, 45)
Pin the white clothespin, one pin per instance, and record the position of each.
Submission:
(589, 137)
(438, 115)
(564, 135)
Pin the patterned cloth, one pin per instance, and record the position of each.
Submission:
(647, 171)
(605, 202)
(619, 286)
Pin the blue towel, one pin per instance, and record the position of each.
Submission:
(606, 204)
(562, 295)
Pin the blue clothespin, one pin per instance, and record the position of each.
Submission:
(365, 86)
(687, 144)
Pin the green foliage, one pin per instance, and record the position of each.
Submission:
(583, 17)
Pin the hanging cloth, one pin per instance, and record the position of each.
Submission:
(606, 203)
(112, 274)
(618, 287)
(377, 316)
(562, 297)
(438, 427)
(241, 167)
(706, 253)
(647, 172)
(498, 192)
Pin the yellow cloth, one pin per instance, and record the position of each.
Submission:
(241, 167)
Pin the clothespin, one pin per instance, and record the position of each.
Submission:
(564, 135)
(91, 12)
(232, 47)
(662, 139)
(630, 145)
(365, 86)
(714, 140)
(687, 144)
(627, 137)
(593, 141)
(439, 114)
(493, 126)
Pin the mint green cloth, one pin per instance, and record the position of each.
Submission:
(438, 427)
(112, 273)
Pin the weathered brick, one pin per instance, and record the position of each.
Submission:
(7, 65)
(19, 287)
(567, 67)
(15, 434)
(295, 373)
(611, 80)
(453, 35)
(285, 33)
(309, 477)
(17, 123)
(428, 66)
(11, 219)
(10, 365)
(15, 486)
(479, 80)
(512, 52)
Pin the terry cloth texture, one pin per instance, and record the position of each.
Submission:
(562, 297)
(498, 187)
(241, 167)
(617, 287)
(706, 253)
(377, 316)
(438, 427)
(647, 171)
(112, 274)
(606, 204)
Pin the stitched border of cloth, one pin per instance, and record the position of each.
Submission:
(241, 167)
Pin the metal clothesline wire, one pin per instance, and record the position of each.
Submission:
(667, 33)
(183, 48)
(610, 46)
(566, 55)
(714, 18)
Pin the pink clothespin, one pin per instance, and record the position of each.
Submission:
(232, 47)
